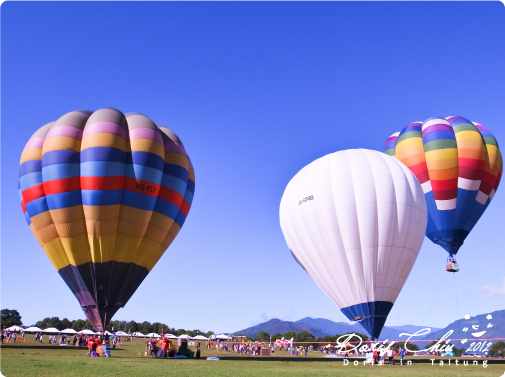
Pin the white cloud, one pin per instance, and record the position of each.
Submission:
(491, 290)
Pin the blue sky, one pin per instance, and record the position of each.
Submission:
(255, 91)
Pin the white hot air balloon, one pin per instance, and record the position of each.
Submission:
(355, 221)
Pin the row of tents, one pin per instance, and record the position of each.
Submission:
(53, 330)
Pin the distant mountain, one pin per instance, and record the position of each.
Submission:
(476, 327)
(275, 326)
(320, 327)
(333, 328)
(329, 327)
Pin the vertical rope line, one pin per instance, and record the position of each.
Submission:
(435, 296)
(457, 308)
(398, 317)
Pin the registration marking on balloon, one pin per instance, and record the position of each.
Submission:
(306, 199)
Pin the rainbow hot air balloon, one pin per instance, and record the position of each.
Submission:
(105, 194)
(459, 166)
(355, 221)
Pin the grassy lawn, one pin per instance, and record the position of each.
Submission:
(35, 359)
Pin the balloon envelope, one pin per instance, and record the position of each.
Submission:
(105, 194)
(459, 166)
(355, 221)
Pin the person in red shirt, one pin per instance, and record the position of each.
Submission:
(164, 346)
(91, 342)
(375, 357)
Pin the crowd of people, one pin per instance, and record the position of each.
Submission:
(11, 336)
(162, 347)
(254, 348)
(376, 356)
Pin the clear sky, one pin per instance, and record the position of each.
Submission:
(256, 91)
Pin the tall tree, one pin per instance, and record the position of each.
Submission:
(263, 336)
(289, 335)
(132, 326)
(145, 327)
(157, 328)
(81, 324)
(10, 317)
(304, 336)
(497, 346)
(65, 324)
(277, 336)
(113, 325)
(50, 322)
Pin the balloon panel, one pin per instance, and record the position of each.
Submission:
(459, 166)
(105, 194)
(355, 221)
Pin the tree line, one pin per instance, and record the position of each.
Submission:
(145, 327)
(11, 317)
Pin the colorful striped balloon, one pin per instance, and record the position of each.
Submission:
(105, 194)
(459, 166)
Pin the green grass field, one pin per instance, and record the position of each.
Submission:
(35, 359)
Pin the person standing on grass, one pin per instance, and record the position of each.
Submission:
(165, 347)
(401, 352)
(390, 357)
(91, 342)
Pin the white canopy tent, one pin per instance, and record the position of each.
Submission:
(51, 330)
(33, 329)
(87, 332)
(138, 334)
(171, 336)
(121, 333)
(153, 335)
(68, 331)
(15, 328)
(185, 336)
(220, 337)
(200, 337)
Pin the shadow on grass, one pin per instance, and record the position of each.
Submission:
(296, 359)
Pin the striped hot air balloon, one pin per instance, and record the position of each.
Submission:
(105, 194)
(459, 166)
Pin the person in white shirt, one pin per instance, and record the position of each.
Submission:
(390, 357)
